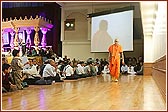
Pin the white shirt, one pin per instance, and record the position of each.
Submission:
(49, 71)
(96, 68)
(87, 69)
(25, 60)
(69, 70)
(80, 69)
(131, 70)
(32, 70)
(106, 70)
(124, 68)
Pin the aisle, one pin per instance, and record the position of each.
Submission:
(94, 93)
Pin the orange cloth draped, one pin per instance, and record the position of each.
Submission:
(114, 64)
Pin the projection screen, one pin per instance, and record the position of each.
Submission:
(105, 28)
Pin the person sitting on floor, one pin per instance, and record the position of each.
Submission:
(69, 72)
(4, 60)
(87, 69)
(98, 68)
(61, 65)
(49, 72)
(32, 72)
(17, 69)
(6, 82)
(58, 77)
(80, 70)
(124, 69)
(37, 65)
(131, 70)
(106, 69)
(140, 72)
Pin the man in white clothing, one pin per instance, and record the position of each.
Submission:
(32, 69)
(124, 69)
(106, 69)
(87, 69)
(80, 70)
(49, 69)
(33, 74)
(69, 72)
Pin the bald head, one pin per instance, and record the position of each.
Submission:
(116, 41)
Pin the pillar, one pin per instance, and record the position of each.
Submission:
(2, 41)
(12, 39)
(36, 37)
(44, 42)
(62, 24)
(23, 36)
(28, 40)
(16, 39)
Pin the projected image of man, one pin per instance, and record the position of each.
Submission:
(101, 39)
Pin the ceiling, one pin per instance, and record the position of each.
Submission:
(154, 17)
(137, 25)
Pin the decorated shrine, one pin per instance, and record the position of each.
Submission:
(18, 27)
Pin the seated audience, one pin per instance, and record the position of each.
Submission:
(80, 70)
(17, 69)
(140, 59)
(87, 69)
(124, 69)
(32, 69)
(93, 70)
(4, 60)
(140, 72)
(134, 61)
(137, 67)
(33, 74)
(6, 79)
(106, 69)
(34, 52)
(24, 59)
(131, 70)
(129, 61)
(98, 68)
(49, 72)
(58, 77)
(37, 65)
(69, 72)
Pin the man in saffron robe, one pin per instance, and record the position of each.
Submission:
(115, 50)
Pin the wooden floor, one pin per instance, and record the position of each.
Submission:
(94, 93)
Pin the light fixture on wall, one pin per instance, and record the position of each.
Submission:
(69, 24)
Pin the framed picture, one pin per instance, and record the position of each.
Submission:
(6, 38)
(69, 24)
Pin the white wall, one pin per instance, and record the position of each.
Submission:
(138, 49)
(148, 49)
(160, 32)
(159, 46)
(81, 51)
(156, 44)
